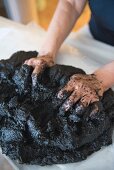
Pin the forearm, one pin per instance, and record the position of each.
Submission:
(61, 25)
(106, 75)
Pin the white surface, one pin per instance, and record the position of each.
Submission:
(79, 50)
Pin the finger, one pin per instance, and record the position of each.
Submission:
(34, 61)
(31, 62)
(95, 98)
(79, 109)
(85, 100)
(65, 90)
(100, 92)
(88, 99)
(71, 101)
(26, 61)
(37, 70)
(95, 110)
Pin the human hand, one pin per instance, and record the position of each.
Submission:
(86, 89)
(41, 62)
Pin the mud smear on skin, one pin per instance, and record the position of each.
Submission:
(33, 127)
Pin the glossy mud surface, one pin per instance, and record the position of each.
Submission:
(33, 127)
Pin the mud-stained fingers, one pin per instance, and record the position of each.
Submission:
(74, 97)
(100, 92)
(35, 62)
(36, 70)
(39, 68)
(69, 88)
(89, 98)
(79, 109)
(30, 62)
(95, 109)
(95, 99)
(85, 100)
(63, 91)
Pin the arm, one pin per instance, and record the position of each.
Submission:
(106, 75)
(67, 13)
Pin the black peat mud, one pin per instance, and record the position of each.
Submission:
(33, 127)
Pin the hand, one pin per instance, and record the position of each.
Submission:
(41, 62)
(83, 88)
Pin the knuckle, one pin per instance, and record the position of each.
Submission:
(71, 99)
(41, 61)
(31, 59)
(73, 76)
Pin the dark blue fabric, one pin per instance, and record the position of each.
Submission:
(102, 20)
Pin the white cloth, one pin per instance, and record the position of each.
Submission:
(79, 50)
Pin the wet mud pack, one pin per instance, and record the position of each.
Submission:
(33, 127)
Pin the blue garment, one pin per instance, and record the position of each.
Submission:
(102, 20)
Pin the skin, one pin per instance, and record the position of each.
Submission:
(86, 89)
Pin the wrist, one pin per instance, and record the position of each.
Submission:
(102, 79)
(44, 52)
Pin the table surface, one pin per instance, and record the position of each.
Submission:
(79, 50)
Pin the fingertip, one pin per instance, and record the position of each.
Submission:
(64, 94)
(60, 94)
(29, 63)
(26, 61)
(79, 109)
(95, 109)
(35, 71)
(67, 105)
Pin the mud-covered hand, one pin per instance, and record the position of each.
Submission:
(41, 62)
(83, 88)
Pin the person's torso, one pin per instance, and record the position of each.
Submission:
(102, 20)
